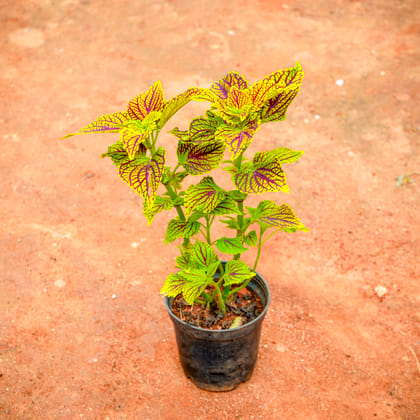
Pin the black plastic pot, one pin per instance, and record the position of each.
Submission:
(219, 360)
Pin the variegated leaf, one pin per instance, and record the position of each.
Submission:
(203, 254)
(251, 238)
(132, 139)
(200, 158)
(224, 85)
(177, 102)
(109, 123)
(262, 90)
(145, 178)
(196, 283)
(236, 272)
(182, 135)
(237, 138)
(202, 130)
(230, 245)
(226, 206)
(281, 217)
(264, 175)
(174, 285)
(181, 229)
(160, 204)
(117, 153)
(274, 109)
(183, 261)
(205, 196)
(151, 100)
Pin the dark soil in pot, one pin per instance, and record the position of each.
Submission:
(246, 305)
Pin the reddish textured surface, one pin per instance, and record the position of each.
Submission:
(83, 329)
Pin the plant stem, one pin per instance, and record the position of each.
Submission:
(220, 296)
(262, 230)
(240, 219)
(173, 196)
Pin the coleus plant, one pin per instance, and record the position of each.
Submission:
(236, 111)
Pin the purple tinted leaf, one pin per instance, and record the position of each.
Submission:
(144, 177)
(109, 123)
(236, 138)
(202, 130)
(263, 90)
(199, 159)
(205, 196)
(275, 108)
(224, 86)
(132, 139)
(261, 177)
(177, 102)
(152, 100)
(281, 217)
(181, 229)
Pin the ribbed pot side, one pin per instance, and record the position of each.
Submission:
(219, 360)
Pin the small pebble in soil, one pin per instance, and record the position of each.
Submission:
(114, 296)
(339, 82)
(381, 291)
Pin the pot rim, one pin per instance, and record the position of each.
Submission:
(247, 325)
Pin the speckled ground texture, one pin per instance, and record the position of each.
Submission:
(83, 329)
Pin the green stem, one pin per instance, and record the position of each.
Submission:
(220, 296)
(240, 220)
(260, 242)
(173, 196)
(208, 225)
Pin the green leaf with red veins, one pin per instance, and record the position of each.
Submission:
(230, 246)
(144, 177)
(281, 217)
(205, 196)
(226, 206)
(117, 153)
(237, 272)
(237, 107)
(160, 204)
(198, 159)
(181, 229)
(264, 175)
(237, 138)
(264, 89)
(182, 135)
(109, 123)
(202, 130)
(232, 80)
(174, 285)
(177, 102)
(145, 103)
(282, 155)
(137, 132)
(183, 261)
(196, 283)
(274, 109)
(203, 254)
(251, 238)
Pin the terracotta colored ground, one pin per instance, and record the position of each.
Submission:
(83, 329)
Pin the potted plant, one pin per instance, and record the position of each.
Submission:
(217, 305)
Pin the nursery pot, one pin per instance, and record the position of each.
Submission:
(219, 360)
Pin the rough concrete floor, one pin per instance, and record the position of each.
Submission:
(83, 329)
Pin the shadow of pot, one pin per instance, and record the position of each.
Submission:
(219, 360)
